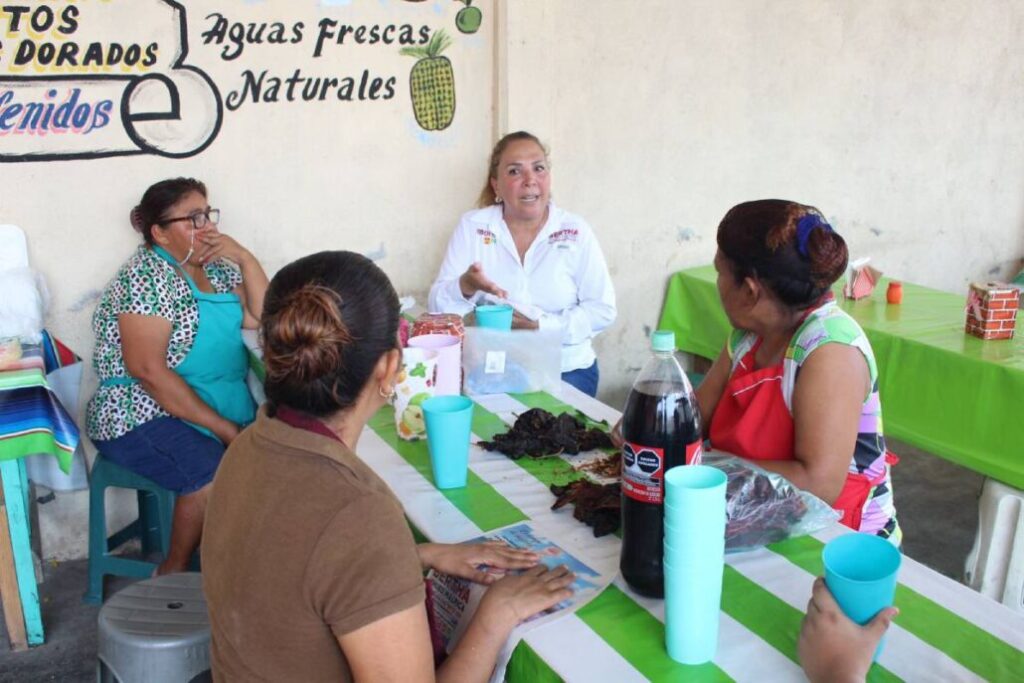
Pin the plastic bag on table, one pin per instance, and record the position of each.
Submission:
(763, 507)
(519, 361)
(23, 305)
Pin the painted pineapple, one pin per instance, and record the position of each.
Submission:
(432, 83)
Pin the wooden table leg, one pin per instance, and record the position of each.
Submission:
(9, 585)
(14, 480)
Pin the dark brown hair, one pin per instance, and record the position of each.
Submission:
(158, 199)
(487, 196)
(327, 320)
(761, 239)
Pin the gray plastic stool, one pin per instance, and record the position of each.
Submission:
(155, 631)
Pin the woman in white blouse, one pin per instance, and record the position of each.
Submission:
(522, 247)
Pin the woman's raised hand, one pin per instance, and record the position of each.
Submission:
(474, 280)
(213, 244)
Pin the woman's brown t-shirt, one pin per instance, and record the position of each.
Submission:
(302, 543)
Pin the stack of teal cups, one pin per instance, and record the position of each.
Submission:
(694, 556)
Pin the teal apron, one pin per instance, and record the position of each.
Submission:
(217, 365)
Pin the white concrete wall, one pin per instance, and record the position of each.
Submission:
(290, 177)
(903, 122)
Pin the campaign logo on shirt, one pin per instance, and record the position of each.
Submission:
(564, 237)
(487, 236)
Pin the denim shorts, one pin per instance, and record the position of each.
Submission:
(584, 379)
(167, 451)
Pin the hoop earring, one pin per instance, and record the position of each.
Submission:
(388, 396)
(498, 200)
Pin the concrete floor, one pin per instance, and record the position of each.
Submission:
(937, 504)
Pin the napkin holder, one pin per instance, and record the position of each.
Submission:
(861, 279)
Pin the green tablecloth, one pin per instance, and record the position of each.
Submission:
(942, 390)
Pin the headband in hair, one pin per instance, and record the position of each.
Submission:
(805, 227)
(135, 216)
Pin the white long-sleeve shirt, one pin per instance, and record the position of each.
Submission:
(563, 273)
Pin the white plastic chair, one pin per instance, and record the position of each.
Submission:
(995, 566)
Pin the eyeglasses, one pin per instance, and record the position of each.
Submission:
(199, 219)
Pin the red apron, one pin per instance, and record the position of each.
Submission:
(751, 420)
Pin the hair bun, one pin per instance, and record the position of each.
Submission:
(828, 255)
(135, 218)
(308, 336)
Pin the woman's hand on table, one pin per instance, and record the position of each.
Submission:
(831, 646)
(215, 245)
(506, 603)
(515, 598)
(474, 280)
(464, 559)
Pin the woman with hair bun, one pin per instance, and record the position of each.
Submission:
(309, 568)
(796, 386)
(169, 353)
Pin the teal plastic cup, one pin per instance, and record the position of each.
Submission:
(449, 421)
(694, 555)
(861, 572)
(694, 492)
(494, 317)
(691, 488)
(677, 551)
(678, 544)
(693, 599)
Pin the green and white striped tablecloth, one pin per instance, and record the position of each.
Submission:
(945, 631)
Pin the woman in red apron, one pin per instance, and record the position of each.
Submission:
(796, 386)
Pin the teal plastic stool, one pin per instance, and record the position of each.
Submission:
(152, 527)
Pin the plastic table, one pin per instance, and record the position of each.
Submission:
(32, 422)
(943, 390)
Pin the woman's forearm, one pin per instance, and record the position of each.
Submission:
(803, 477)
(474, 657)
(177, 398)
(254, 284)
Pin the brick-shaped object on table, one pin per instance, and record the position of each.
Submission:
(992, 310)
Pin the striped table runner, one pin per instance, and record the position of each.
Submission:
(32, 419)
(945, 631)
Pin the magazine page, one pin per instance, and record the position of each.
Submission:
(455, 600)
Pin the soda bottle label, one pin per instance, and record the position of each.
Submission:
(694, 453)
(642, 470)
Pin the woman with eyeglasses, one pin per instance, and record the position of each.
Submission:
(169, 353)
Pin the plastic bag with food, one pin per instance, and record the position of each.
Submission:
(763, 507)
